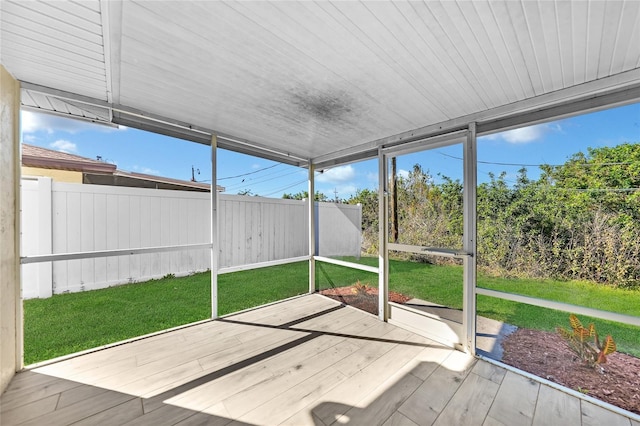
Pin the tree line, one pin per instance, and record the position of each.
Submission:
(578, 220)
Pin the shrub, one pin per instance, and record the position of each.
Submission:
(579, 340)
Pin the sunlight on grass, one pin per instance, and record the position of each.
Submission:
(69, 323)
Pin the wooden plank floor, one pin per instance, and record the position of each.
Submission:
(307, 361)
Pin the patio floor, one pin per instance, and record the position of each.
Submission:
(303, 361)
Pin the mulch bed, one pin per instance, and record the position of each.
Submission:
(365, 300)
(546, 355)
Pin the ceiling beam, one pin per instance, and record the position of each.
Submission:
(616, 90)
(132, 117)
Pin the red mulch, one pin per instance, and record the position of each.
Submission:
(367, 301)
(546, 355)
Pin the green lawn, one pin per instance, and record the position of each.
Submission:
(68, 323)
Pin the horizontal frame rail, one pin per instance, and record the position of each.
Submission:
(352, 265)
(439, 141)
(107, 253)
(230, 269)
(434, 251)
(561, 306)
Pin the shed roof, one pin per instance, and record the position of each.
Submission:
(325, 81)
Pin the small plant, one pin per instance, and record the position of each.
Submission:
(585, 342)
(360, 289)
(583, 390)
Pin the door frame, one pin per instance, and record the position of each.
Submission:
(464, 337)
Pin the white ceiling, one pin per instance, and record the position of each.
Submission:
(321, 80)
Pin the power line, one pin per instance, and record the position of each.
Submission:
(250, 173)
(538, 165)
(286, 187)
(251, 181)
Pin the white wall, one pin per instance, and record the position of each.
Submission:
(80, 218)
(10, 306)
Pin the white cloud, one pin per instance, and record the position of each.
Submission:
(337, 175)
(404, 174)
(33, 122)
(372, 177)
(29, 138)
(64, 146)
(526, 134)
(345, 191)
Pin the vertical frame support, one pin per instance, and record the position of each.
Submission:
(383, 227)
(470, 240)
(214, 228)
(312, 228)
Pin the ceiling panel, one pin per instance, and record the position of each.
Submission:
(55, 44)
(316, 78)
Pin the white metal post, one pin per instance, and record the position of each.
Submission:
(312, 229)
(214, 228)
(383, 255)
(470, 240)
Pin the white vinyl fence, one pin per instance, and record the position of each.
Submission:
(68, 218)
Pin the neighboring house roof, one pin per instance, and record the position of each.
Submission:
(35, 156)
(100, 173)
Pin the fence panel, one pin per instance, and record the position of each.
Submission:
(99, 217)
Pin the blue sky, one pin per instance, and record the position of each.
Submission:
(144, 152)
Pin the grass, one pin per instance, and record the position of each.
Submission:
(443, 285)
(69, 323)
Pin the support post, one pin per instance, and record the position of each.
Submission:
(214, 228)
(312, 229)
(383, 255)
(470, 240)
(10, 298)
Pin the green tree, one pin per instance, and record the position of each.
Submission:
(303, 195)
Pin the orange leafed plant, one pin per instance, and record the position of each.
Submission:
(578, 339)
(360, 289)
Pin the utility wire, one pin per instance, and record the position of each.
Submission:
(251, 181)
(538, 165)
(250, 173)
(286, 187)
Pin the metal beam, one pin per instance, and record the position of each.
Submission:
(215, 243)
(383, 237)
(108, 253)
(433, 142)
(432, 251)
(259, 265)
(351, 265)
(470, 182)
(311, 215)
(135, 118)
(593, 103)
(561, 306)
